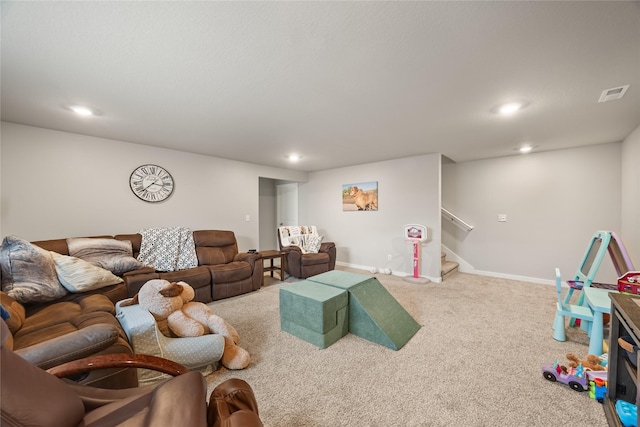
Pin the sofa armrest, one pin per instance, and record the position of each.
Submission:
(291, 248)
(247, 257)
(75, 345)
(327, 246)
(330, 249)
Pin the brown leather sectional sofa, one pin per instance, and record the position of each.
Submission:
(77, 325)
(222, 271)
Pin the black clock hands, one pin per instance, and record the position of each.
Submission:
(152, 184)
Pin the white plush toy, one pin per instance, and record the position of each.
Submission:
(170, 305)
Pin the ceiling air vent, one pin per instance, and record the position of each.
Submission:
(613, 93)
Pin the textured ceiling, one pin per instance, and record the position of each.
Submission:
(340, 83)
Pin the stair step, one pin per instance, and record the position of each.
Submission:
(448, 267)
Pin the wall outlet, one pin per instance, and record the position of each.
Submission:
(247, 218)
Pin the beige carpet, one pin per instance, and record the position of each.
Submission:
(476, 361)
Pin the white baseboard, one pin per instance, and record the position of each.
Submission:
(371, 270)
(465, 267)
(511, 277)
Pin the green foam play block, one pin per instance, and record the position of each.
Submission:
(374, 314)
(320, 340)
(314, 312)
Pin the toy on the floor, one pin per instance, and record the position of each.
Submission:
(576, 375)
(171, 306)
(598, 389)
(627, 412)
(560, 373)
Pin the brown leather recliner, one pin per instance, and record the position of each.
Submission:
(48, 335)
(30, 396)
(299, 263)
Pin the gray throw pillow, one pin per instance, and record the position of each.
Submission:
(28, 272)
(110, 254)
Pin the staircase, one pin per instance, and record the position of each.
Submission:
(448, 268)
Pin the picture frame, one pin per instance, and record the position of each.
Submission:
(361, 196)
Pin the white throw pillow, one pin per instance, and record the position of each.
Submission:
(77, 275)
(312, 243)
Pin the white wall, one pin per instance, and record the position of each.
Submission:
(554, 202)
(408, 192)
(58, 184)
(631, 196)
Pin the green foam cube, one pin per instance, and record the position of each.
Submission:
(314, 312)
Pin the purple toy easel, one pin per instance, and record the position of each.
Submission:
(601, 243)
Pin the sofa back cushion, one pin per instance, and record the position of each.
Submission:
(59, 245)
(215, 246)
(135, 239)
(108, 253)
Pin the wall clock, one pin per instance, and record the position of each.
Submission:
(151, 183)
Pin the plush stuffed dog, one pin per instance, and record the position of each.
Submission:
(171, 306)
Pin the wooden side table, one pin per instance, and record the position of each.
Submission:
(272, 255)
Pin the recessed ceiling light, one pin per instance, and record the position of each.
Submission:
(293, 157)
(82, 111)
(510, 108)
(525, 148)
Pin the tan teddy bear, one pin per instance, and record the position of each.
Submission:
(176, 315)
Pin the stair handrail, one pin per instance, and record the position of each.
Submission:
(456, 220)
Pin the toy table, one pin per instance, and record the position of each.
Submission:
(598, 300)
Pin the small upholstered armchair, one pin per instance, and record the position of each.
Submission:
(146, 338)
(305, 253)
